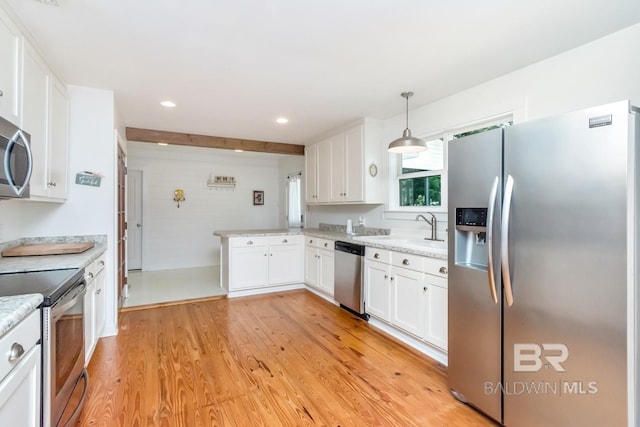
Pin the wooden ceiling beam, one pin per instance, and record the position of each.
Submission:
(177, 138)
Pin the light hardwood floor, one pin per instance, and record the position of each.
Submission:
(289, 359)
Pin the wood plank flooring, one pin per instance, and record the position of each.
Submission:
(289, 359)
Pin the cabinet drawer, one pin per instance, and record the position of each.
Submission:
(437, 267)
(318, 242)
(239, 242)
(26, 334)
(377, 254)
(409, 261)
(288, 239)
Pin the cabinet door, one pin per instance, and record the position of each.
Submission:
(35, 109)
(10, 39)
(338, 168)
(377, 289)
(326, 279)
(285, 264)
(435, 314)
(324, 171)
(89, 321)
(354, 170)
(58, 144)
(311, 173)
(248, 267)
(100, 304)
(311, 266)
(407, 295)
(20, 392)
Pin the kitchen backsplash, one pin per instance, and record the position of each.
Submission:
(360, 230)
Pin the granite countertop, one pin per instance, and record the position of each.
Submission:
(52, 262)
(335, 232)
(15, 308)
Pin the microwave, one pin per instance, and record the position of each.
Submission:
(17, 161)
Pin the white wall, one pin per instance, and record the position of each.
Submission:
(183, 237)
(87, 210)
(600, 72)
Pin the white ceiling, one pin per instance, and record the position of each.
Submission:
(234, 66)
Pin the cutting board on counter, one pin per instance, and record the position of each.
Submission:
(48, 249)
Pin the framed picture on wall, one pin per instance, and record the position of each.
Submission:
(258, 197)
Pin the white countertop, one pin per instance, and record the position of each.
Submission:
(15, 308)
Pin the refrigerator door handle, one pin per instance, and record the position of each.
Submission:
(504, 247)
(490, 214)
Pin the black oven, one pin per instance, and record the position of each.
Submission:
(16, 161)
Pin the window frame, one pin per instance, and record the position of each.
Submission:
(395, 164)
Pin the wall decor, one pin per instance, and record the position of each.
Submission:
(91, 179)
(178, 196)
(222, 182)
(258, 197)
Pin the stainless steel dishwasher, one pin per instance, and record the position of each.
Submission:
(348, 278)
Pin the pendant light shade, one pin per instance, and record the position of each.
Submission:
(408, 143)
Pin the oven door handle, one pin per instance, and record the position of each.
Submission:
(73, 419)
(59, 308)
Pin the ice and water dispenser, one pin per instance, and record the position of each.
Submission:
(471, 236)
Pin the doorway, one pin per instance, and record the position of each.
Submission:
(134, 218)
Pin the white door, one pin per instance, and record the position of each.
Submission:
(312, 264)
(285, 264)
(377, 289)
(436, 309)
(327, 273)
(134, 219)
(407, 306)
(249, 267)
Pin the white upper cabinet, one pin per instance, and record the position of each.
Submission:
(10, 41)
(343, 168)
(45, 118)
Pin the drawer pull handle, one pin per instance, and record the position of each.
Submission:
(311, 241)
(249, 242)
(16, 352)
(326, 245)
(376, 255)
(443, 270)
(425, 289)
(99, 291)
(285, 241)
(405, 262)
(101, 263)
(386, 276)
(90, 275)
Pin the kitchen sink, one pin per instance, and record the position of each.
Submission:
(409, 242)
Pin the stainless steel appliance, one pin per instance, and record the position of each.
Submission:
(348, 278)
(543, 291)
(64, 379)
(17, 161)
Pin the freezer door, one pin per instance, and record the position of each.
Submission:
(565, 334)
(475, 168)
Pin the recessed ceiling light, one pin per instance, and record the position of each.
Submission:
(238, 151)
(282, 120)
(168, 104)
(162, 143)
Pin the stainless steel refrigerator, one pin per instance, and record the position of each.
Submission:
(543, 293)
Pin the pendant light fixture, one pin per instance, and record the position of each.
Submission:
(407, 144)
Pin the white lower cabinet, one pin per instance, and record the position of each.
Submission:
(407, 299)
(409, 292)
(257, 262)
(20, 378)
(319, 264)
(94, 306)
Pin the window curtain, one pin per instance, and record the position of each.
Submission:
(294, 200)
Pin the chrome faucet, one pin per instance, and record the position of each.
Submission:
(433, 223)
